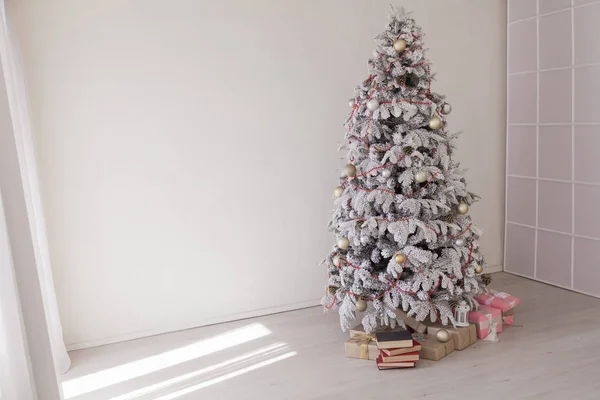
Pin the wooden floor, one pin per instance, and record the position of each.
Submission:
(552, 352)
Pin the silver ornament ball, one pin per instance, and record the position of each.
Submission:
(386, 173)
(361, 305)
(446, 109)
(364, 240)
(373, 104)
(338, 191)
(421, 176)
(351, 103)
(463, 208)
(343, 243)
(400, 45)
(460, 242)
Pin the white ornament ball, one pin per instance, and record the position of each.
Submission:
(446, 109)
(338, 191)
(435, 123)
(364, 239)
(336, 261)
(460, 242)
(343, 243)
(351, 103)
(421, 176)
(373, 104)
(386, 173)
(463, 208)
(400, 45)
(361, 305)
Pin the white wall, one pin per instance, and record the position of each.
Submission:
(188, 148)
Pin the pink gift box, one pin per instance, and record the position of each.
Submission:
(484, 318)
(500, 300)
(496, 316)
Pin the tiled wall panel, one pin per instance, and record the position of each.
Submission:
(553, 142)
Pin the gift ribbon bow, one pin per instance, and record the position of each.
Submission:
(500, 295)
(365, 340)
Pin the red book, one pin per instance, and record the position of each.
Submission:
(412, 356)
(394, 365)
(394, 352)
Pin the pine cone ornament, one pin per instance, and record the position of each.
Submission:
(454, 302)
(408, 150)
(332, 289)
(486, 279)
(449, 218)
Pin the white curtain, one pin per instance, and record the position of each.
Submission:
(19, 110)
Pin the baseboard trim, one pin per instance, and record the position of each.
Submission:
(198, 324)
(552, 284)
(494, 268)
(211, 321)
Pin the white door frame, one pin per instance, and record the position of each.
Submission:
(27, 368)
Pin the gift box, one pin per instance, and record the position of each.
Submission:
(463, 337)
(508, 317)
(359, 331)
(484, 318)
(496, 316)
(500, 300)
(410, 322)
(363, 348)
(431, 348)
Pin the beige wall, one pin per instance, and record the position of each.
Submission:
(188, 149)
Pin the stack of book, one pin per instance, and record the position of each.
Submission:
(397, 349)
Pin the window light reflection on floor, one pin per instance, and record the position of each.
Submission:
(222, 378)
(250, 357)
(121, 373)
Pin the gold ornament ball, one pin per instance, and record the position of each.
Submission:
(399, 258)
(343, 243)
(435, 123)
(350, 170)
(478, 269)
(400, 45)
(442, 335)
(338, 191)
(463, 208)
(361, 305)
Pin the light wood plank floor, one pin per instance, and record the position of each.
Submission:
(553, 352)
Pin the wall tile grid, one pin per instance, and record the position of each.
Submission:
(553, 143)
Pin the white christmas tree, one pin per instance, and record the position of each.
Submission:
(401, 215)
